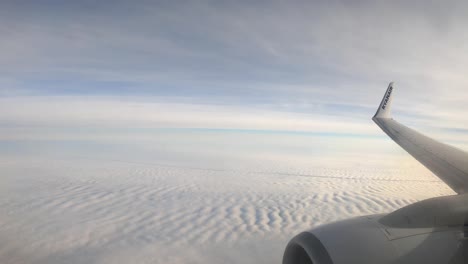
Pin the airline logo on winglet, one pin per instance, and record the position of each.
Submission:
(387, 97)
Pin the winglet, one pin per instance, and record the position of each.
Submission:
(384, 110)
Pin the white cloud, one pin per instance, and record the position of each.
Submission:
(48, 113)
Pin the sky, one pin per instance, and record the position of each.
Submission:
(95, 70)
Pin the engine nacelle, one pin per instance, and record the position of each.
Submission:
(366, 240)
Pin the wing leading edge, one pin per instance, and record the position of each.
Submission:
(448, 163)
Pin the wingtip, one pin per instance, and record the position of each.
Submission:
(384, 110)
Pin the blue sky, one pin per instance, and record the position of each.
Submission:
(310, 66)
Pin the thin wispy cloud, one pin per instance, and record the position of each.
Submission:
(323, 59)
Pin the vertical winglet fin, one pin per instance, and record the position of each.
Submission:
(384, 110)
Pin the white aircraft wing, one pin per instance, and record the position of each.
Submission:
(448, 163)
(431, 231)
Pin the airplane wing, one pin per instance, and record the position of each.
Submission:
(432, 231)
(448, 163)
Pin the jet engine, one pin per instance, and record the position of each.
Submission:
(430, 231)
